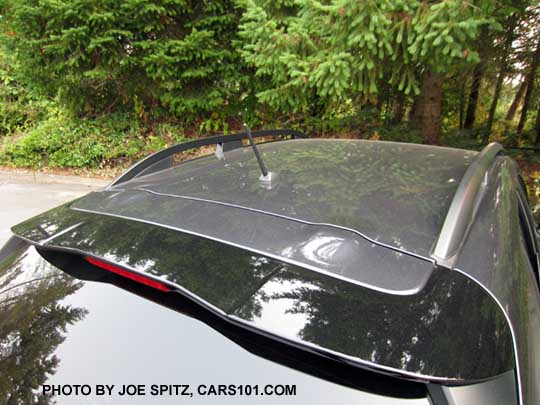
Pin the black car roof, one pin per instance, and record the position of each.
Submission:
(334, 203)
(393, 193)
(333, 237)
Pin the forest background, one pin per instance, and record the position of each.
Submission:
(90, 86)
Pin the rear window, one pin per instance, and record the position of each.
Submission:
(59, 332)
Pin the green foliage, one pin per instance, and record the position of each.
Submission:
(151, 56)
(216, 123)
(339, 50)
(96, 83)
(17, 106)
(395, 133)
(62, 141)
(464, 139)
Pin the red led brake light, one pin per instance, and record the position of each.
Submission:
(127, 274)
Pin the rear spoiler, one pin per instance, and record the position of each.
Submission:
(306, 358)
(227, 282)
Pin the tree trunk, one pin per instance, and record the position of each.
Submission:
(399, 109)
(503, 69)
(427, 109)
(388, 109)
(380, 103)
(537, 126)
(473, 96)
(530, 88)
(494, 102)
(461, 104)
(517, 101)
(412, 112)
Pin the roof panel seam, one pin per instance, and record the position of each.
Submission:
(258, 251)
(302, 221)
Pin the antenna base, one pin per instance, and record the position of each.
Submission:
(268, 181)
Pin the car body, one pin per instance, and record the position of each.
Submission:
(374, 271)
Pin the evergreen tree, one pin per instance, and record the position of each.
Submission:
(103, 55)
(336, 51)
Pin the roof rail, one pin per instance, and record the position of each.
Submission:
(463, 208)
(163, 159)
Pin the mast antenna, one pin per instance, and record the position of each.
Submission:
(264, 170)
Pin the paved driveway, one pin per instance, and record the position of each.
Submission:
(25, 195)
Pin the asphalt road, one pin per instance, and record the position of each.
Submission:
(23, 195)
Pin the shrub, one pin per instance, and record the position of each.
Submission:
(150, 56)
(62, 141)
(18, 107)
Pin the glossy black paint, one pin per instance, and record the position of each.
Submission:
(430, 335)
(495, 255)
(56, 329)
(330, 262)
(323, 248)
(396, 194)
(163, 159)
(336, 206)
